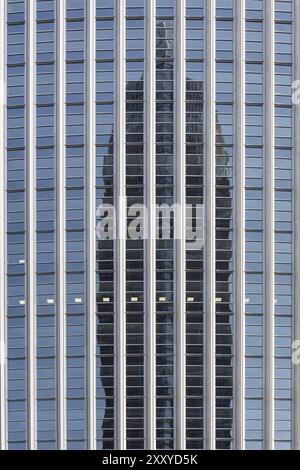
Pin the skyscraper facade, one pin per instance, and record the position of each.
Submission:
(150, 224)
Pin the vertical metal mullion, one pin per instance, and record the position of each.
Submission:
(209, 245)
(296, 288)
(91, 223)
(120, 200)
(2, 233)
(60, 225)
(150, 278)
(180, 233)
(30, 224)
(239, 223)
(269, 240)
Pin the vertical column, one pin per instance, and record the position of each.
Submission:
(239, 221)
(209, 239)
(120, 201)
(181, 224)
(296, 289)
(90, 224)
(2, 232)
(269, 241)
(30, 223)
(150, 290)
(60, 224)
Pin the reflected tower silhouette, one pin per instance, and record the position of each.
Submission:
(105, 279)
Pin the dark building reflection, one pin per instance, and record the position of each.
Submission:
(105, 275)
(224, 313)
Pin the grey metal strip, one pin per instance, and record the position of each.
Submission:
(30, 223)
(209, 242)
(269, 242)
(60, 225)
(239, 223)
(91, 222)
(120, 255)
(150, 287)
(181, 233)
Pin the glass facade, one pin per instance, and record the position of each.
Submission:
(99, 95)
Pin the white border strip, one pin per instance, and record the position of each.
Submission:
(296, 287)
(2, 232)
